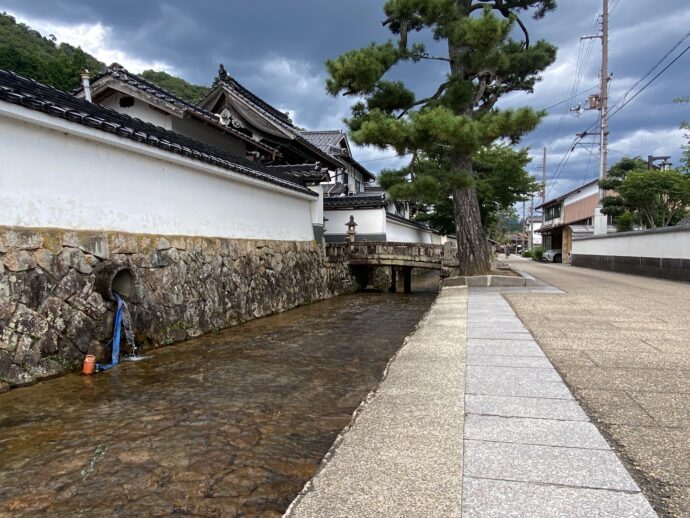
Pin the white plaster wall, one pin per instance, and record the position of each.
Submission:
(671, 245)
(76, 177)
(369, 221)
(536, 236)
(140, 110)
(316, 206)
(399, 232)
(437, 239)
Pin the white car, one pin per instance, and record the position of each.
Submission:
(555, 255)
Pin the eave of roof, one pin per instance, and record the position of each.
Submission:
(309, 172)
(39, 97)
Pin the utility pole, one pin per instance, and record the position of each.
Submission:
(601, 220)
(524, 228)
(531, 223)
(601, 103)
(543, 178)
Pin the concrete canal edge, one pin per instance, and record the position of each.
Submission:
(402, 453)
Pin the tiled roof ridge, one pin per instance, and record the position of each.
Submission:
(119, 72)
(228, 80)
(40, 97)
(330, 132)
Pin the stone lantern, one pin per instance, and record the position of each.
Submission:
(351, 230)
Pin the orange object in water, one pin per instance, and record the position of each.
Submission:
(89, 364)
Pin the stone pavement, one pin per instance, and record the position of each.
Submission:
(529, 448)
(622, 344)
(471, 420)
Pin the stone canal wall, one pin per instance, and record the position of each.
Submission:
(51, 316)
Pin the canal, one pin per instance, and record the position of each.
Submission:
(230, 424)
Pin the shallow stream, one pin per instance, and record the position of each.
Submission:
(230, 424)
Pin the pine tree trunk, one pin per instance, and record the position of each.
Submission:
(473, 247)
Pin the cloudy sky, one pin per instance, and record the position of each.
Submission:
(277, 49)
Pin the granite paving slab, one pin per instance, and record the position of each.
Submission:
(530, 450)
(485, 498)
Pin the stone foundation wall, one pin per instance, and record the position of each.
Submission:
(51, 316)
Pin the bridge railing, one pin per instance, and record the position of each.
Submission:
(377, 252)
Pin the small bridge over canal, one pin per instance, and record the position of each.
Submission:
(400, 257)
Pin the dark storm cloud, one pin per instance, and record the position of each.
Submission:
(277, 48)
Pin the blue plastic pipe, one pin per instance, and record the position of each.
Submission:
(115, 359)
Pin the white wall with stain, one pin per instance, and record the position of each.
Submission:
(56, 173)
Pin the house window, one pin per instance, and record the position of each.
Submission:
(126, 101)
(358, 186)
(346, 179)
(552, 212)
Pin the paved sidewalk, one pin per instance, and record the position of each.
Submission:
(471, 420)
(403, 455)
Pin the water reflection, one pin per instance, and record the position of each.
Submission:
(230, 424)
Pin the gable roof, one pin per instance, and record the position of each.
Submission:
(330, 142)
(167, 100)
(564, 196)
(39, 97)
(225, 83)
(232, 83)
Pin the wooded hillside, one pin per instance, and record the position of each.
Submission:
(31, 54)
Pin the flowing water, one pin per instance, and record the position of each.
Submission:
(230, 424)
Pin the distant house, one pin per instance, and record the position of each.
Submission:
(350, 193)
(352, 176)
(570, 215)
(531, 227)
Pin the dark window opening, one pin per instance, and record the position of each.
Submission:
(127, 101)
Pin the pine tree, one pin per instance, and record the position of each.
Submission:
(460, 117)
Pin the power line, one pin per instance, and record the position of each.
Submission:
(650, 81)
(570, 98)
(383, 158)
(661, 60)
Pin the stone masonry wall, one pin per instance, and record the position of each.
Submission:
(50, 315)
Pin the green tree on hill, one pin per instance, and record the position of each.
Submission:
(189, 92)
(27, 53)
(459, 118)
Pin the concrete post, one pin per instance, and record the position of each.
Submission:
(407, 273)
(394, 280)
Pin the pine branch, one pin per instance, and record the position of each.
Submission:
(426, 100)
